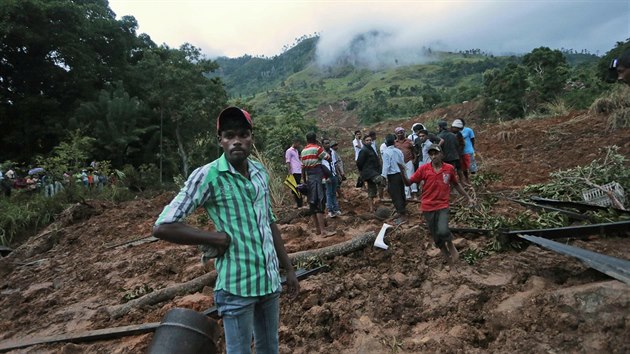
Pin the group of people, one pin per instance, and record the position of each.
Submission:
(399, 155)
(321, 170)
(39, 180)
(247, 245)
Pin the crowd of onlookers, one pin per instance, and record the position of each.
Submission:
(317, 170)
(39, 180)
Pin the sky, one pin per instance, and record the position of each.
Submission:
(233, 28)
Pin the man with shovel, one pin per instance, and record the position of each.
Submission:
(438, 178)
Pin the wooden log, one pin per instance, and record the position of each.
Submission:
(162, 295)
(208, 279)
(339, 249)
(99, 334)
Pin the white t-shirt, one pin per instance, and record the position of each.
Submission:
(356, 142)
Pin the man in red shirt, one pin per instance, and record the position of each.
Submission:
(438, 178)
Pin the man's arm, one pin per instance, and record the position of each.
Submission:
(403, 174)
(180, 233)
(293, 287)
(462, 191)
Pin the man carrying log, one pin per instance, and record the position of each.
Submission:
(247, 243)
(438, 178)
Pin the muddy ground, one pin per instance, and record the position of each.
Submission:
(401, 300)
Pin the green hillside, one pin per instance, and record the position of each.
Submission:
(266, 84)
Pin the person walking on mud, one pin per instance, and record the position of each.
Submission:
(312, 157)
(369, 167)
(332, 183)
(246, 242)
(392, 159)
(294, 166)
(406, 146)
(438, 177)
(338, 167)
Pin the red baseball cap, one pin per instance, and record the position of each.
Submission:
(232, 113)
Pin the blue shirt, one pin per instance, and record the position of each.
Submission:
(392, 156)
(468, 134)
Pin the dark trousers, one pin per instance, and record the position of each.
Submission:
(437, 221)
(298, 180)
(396, 190)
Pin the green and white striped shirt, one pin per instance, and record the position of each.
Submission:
(242, 209)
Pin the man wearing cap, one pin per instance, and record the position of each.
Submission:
(246, 241)
(438, 178)
(406, 146)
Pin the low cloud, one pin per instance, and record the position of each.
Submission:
(374, 40)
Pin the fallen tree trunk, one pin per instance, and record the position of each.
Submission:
(165, 294)
(339, 249)
(208, 279)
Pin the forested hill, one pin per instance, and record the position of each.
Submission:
(398, 89)
(248, 75)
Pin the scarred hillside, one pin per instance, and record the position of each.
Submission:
(70, 276)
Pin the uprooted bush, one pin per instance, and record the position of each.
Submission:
(569, 184)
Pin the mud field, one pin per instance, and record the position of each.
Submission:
(74, 275)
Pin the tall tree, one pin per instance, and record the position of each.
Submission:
(504, 90)
(53, 55)
(118, 122)
(186, 101)
(548, 72)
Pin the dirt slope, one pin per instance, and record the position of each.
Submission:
(373, 301)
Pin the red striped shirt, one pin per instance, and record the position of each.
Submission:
(312, 155)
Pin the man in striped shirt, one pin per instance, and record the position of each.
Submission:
(312, 157)
(234, 190)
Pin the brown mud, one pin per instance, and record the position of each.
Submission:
(403, 300)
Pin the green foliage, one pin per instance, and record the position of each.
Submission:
(309, 263)
(548, 71)
(136, 292)
(569, 184)
(25, 212)
(186, 101)
(274, 134)
(69, 156)
(53, 55)
(504, 91)
(146, 176)
(118, 121)
(247, 75)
